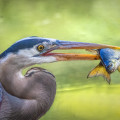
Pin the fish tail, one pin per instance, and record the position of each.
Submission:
(100, 70)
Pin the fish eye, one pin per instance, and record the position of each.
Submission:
(40, 47)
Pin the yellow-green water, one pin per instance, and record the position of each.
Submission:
(96, 21)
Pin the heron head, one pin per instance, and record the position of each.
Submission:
(29, 47)
(39, 50)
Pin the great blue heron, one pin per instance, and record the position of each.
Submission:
(29, 97)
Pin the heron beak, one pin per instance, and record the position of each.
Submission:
(63, 45)
(82, 45)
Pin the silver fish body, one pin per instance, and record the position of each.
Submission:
(110, 58)
(110, 62)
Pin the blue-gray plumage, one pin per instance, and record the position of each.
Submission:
(29, 96)
(25, 43)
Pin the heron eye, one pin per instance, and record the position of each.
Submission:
(40, 47)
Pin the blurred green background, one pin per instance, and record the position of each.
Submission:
(95, 21)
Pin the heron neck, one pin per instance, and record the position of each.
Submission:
(38, 85)
(20, 86)
(12, 79)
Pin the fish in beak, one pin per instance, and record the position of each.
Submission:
(110, 62)
(65, 45)
(108, 54)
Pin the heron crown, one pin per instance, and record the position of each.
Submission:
(26, 44)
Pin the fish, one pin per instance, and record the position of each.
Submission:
(109, 63)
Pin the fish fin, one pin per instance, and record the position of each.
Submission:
(100, 70)
(119, 68)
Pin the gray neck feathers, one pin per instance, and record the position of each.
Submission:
(37, 88)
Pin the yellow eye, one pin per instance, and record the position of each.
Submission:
(40, 47)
